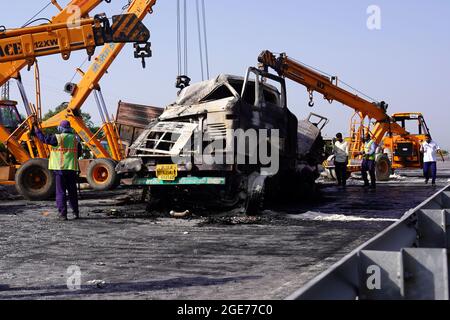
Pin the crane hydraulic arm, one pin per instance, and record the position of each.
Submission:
(80, 7)
(90, 82)
(32, 42)
(61, 38)
(11, 69)
(328, 87)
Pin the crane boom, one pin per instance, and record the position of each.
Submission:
(59, 38)
(90, 82)
(81, 7)
(316, 82)
(32, 42)
(11, 69)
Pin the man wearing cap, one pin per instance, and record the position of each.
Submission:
(64, 154)
(368, 164)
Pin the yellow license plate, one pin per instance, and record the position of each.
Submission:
(167, 172)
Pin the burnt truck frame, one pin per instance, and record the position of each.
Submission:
(214, 110)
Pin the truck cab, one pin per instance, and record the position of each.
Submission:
(404, 152)
(227, 139)
(9, 115)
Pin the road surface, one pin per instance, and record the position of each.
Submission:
(122, 252)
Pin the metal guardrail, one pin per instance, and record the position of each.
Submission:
(407, 261)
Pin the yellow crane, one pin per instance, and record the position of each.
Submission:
(10, 119)
(100, 172)
(401, 148)
(83, 7)
(32, 179)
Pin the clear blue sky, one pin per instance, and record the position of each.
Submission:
(406, 63)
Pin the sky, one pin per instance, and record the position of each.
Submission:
(405, 62)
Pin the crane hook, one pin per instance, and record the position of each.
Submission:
(311, 99)
(142, 51)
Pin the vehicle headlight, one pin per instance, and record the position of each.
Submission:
(133, 165)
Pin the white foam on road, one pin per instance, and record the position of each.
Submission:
(318, 216)
(397, 177)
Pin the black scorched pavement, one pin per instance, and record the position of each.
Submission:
(141, 257)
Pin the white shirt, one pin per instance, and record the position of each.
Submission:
(430, 151)
(341, 151)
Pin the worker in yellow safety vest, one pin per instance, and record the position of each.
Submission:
(65, 150)
(368, 163)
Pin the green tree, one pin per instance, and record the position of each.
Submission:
(86, 118)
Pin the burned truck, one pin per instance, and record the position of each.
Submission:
(227, 142)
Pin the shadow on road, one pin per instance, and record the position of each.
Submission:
(63, 291)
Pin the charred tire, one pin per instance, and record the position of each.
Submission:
(34, 181)
(255, 198)
(383, 168)
(102, 175)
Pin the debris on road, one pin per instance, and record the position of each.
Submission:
(235, 220)
(100, 284)
(180, 215)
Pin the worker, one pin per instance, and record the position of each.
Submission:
(368, 164)
(341, 152)
(430, 149)
(64, 163)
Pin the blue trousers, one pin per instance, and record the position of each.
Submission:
(427, 167)
(66, 189)
(368, 166)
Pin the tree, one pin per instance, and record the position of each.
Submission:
(86, 118)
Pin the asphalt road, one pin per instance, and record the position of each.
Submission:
(134, 255)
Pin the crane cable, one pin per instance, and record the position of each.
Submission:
(205, 37)
(340, 80)
(186, 70)
(32, 19)
(182, 32)
(183, 80)
(183, 43)
(202, 42)
(29, 21)
(179, 37)
(200, 46)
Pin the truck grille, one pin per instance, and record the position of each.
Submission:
(217, 131)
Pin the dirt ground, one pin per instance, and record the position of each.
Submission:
(123, 252)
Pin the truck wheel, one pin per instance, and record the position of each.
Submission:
(255, 198)
(102, 175)
(383, 168)
(34, 181)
